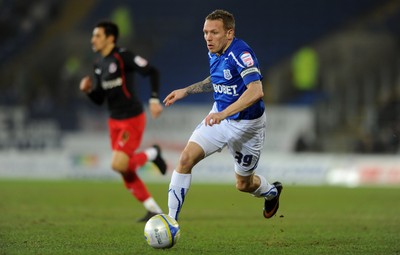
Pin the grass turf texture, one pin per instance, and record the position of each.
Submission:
(88, 217)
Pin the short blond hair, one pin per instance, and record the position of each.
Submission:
(226, 17)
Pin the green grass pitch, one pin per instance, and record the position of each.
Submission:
(98, 217)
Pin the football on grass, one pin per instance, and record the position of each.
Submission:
(161, 231)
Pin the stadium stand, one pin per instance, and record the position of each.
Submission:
(168, 33)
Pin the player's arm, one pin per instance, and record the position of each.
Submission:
(141, 65)
(198, 87)
(154, 103)
(95, 93)
(253, 94)
(154, 81)
(154, 75)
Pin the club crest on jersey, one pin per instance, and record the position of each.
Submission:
(247, 59)
(112, 68)
(227, 74)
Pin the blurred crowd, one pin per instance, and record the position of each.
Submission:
(349, 78)
(384, 135)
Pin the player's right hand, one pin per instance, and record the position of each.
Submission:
(155, 109)
(86, 84)
(174, 96)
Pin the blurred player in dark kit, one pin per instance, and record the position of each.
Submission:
(113, 81)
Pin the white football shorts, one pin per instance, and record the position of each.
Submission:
(244, 139)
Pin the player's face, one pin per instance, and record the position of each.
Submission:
(100, 42)
(217, 38)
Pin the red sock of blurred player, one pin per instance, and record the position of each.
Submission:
(136, 161)
(136, 186)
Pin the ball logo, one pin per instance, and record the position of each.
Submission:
(158, 236)
(247, 59)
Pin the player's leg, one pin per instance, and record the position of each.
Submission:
(130, 143)
(119, 161)
(125, 140)
(135, 185)
(126, 136)
(204, 141)
(258, 186)
(181, 178)
(246, 140)
(152, 154)
(122, 162)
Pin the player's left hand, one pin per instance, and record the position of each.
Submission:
(155, 109)
(214, 118)
(175, 96)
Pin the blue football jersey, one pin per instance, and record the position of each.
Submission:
(230, 73)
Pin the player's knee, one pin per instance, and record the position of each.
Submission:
(186, 161)
(118, 167)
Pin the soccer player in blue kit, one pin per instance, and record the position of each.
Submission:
(237, 119)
